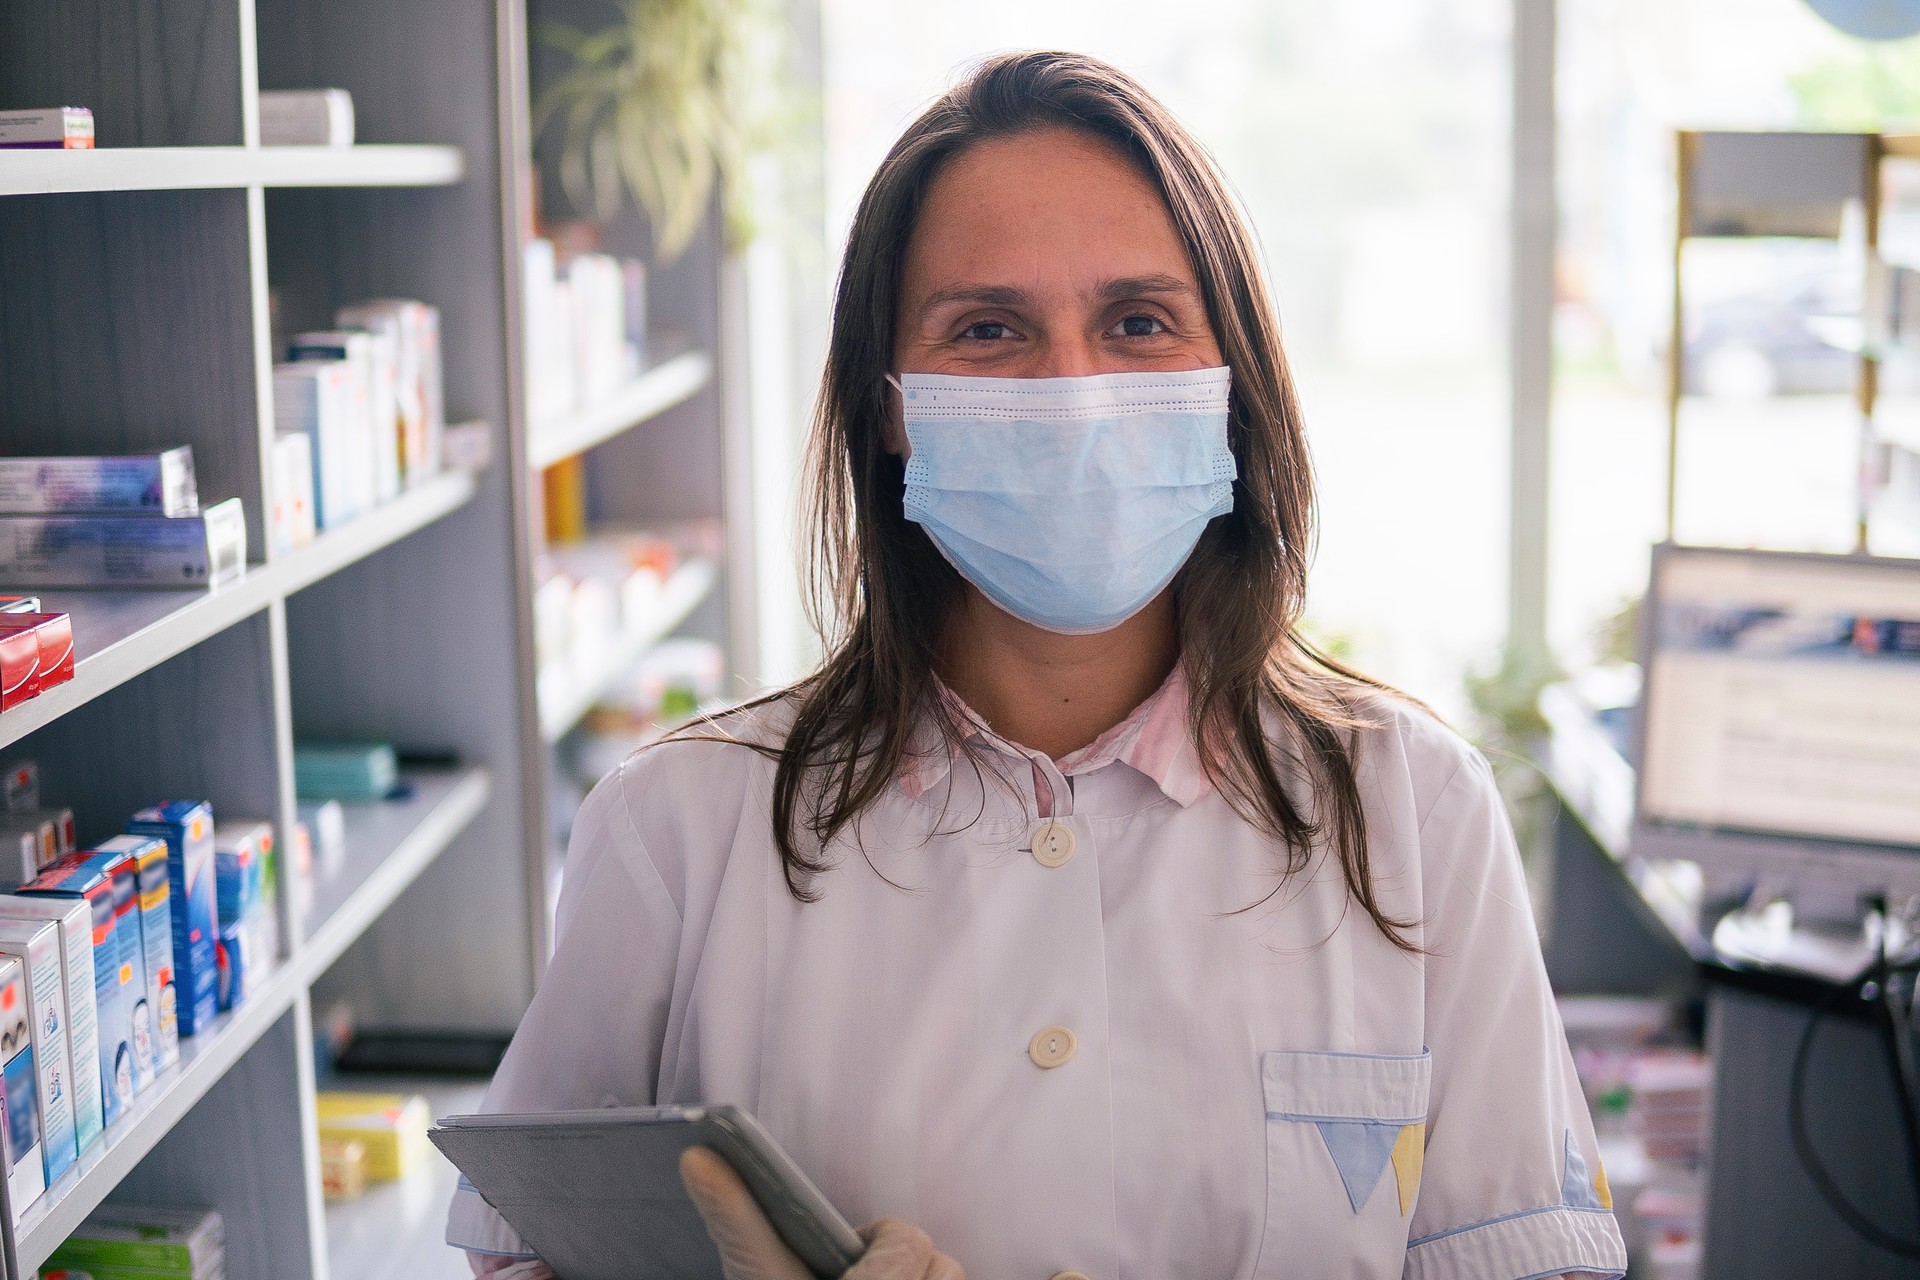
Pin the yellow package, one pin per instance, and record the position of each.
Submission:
(392, 1127)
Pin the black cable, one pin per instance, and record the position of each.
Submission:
(1816, 1172)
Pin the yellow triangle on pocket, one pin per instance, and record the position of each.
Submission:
(1409, 1153)
(1600, 1187)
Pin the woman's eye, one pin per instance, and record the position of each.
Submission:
(985, 331)
(1141, 326)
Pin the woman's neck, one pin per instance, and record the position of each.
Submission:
(1048, 692)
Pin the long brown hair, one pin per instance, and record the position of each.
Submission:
(882, 592)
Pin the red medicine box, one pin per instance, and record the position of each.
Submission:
(36, 653)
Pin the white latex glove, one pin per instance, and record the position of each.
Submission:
(750, 1249)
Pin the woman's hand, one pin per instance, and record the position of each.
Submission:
(751, 1250)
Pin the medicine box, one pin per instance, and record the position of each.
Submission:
(37, 836)
(388, 400)
(161, 484)
(46, 128)
(19, 855)
(74, 919)
(52, 648)
(326, 402)
(306, 118)
(241, 851)
(155, 897)
(26, 1166)
(293, 511)
(415, 330)
(363, 418)
(72, 881)
(120, 868)
(345, 770)
(125, 550)
(392, 1126)
(36, 944)
(187, 1243)
(187, 827)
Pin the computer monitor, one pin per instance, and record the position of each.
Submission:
(1779, 730)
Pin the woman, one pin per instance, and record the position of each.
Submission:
(1076, 912)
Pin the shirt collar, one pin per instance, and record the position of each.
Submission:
(1153, 740)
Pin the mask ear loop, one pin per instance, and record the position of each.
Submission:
(896, 383)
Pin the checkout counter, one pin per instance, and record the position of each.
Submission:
(1740, 871)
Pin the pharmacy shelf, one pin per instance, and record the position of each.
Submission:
(120, 634)
(192, 168)
(397, 1230)
(389, 843)
(391, 847)
(652, 392)
(561, 708)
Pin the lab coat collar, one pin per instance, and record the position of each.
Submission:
(1153, 740)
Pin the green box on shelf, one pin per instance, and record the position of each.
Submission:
(145, 1240)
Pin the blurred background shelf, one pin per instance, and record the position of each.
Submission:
(189, 168)
(646, 396)
(568, 692)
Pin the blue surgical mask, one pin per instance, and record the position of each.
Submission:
(1069, 502)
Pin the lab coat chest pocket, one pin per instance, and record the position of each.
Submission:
(1346, 1133)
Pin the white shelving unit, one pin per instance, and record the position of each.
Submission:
(141, 285)
(189, 168)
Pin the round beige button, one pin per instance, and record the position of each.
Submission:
(1070, 1275)
(1053, 844)
(1051, 1047)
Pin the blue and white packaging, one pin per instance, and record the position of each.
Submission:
(143, 1033)
(160, 484)
(68, 882)
(26, 1165)
(359, 352)
(74, 919)
(240, 853)
(154, 898)
(125, 549)
(187, 827)
(36, 944)
(316, 398)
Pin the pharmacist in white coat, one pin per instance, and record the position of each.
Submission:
(1077, 919)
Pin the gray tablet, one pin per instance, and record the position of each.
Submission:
(597, 1194)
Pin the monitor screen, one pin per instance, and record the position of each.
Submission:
(1783, 695)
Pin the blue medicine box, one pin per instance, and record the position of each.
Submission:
(187, 827)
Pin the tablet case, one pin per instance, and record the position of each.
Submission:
(597, 1194)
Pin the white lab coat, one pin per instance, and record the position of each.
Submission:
(1255, 1082)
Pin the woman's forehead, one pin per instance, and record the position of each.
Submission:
(1054, 205)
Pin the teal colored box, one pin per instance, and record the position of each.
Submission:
(345, 770)
(187, 827)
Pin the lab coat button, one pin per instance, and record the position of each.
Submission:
(1070, 1275)
(1053, 844)
(1051, 1047)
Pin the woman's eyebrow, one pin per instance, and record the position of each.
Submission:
(1143, 286)
(987, 295)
